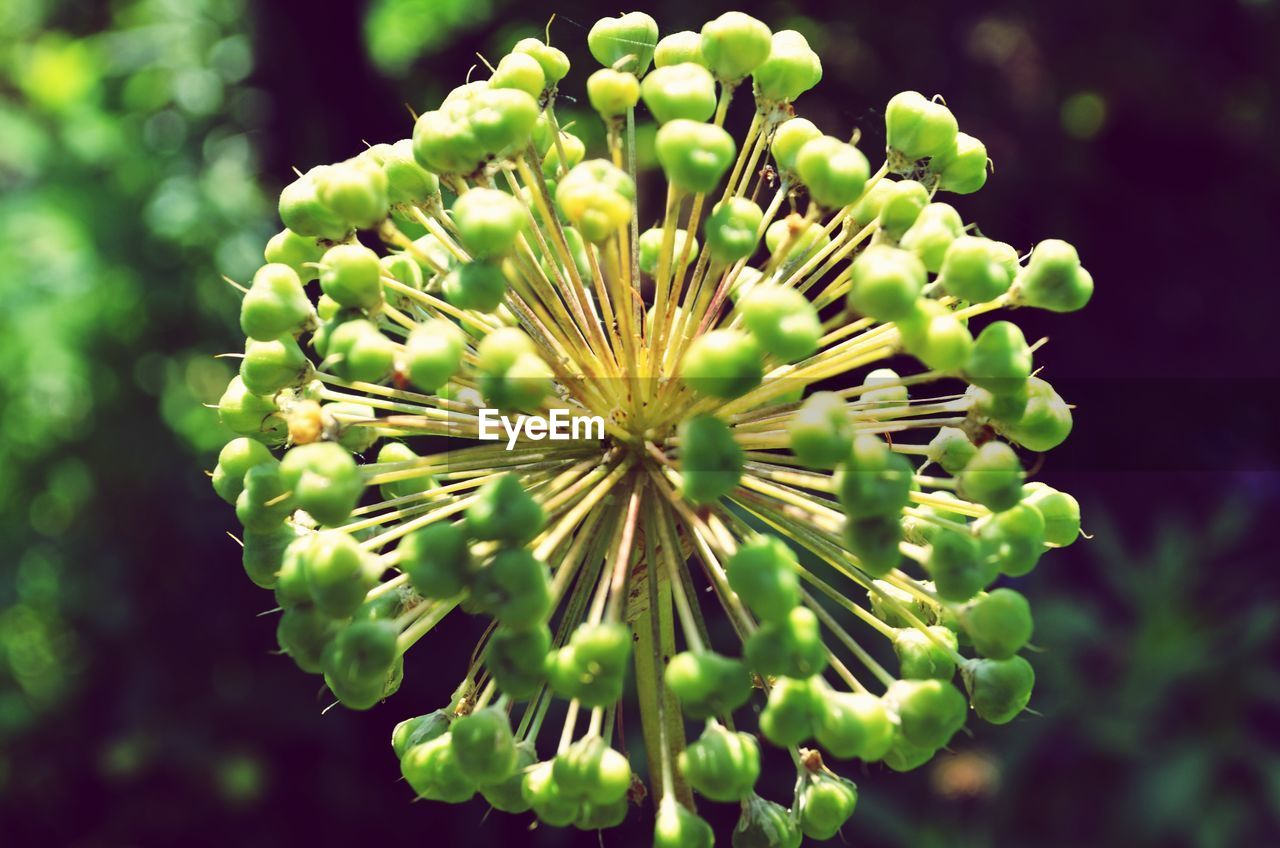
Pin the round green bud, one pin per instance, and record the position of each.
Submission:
(821, 431)
(358, 351)
(433, 354)
(976, 269)
(962, 168)
(925, 656)
(483, 746)
(763, 574)
(723, 363)
(597, 198)
(998, 623)
(502, 119)
(834, 171)
(734, 44)
(732, 229)
(489, 221)
(612, 93)
(765, 824)
(437, 560)
(275, 304)
(679, 827)
(302, 210)
(1000, 361)
(694, 155)
(263, 553)
(554, 63)
(522, 386)
(907, 756)
(602, 816)
(686, 90)
(900, 205)
(351, 275)
(359, 659)
(268, 367)
(790, 136)
(521, 72)
(936, 337)
(591, 667)
(264, 503)
(303, 633)
(885, 283)
(783, 321)
(591, 771)
(853, 725)
(1061, 513)
(244, 413)
(541, 792)
(867, 209)
(651, 249)
(419, 729)
(505, 512)
(875, 540)
(951, 449)
(883, 389)
(916, 127)
(1054, 279)
(513, 587)
(826, 803)
(403, 268)
(721, 764)
(790, 646)
(800, 239)
(354, 191)
(508, 795)
(478, 285)
(516, 659)
(677, 49)
(339, 573)
(1005, 408)
(936, 227)
(324, 479)
(873, 479)
(993, 478)
(1046, 420)
(500, 349)
(792, 712)
(574, 150)
(929, 711)
(236, 457)
(624, 43)
(956, 566)
(791, 69)
(432, 769)
(710, 460)
(444, 142)
(1014, 539)
(707, 683)
(299, 252)
(407, 181)
(998, 689)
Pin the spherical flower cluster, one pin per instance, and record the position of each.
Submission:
(754, 441)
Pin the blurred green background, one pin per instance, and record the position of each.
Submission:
(142, 143)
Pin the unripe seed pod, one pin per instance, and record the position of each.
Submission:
(732, 230)
(821, 431)
(484, 746)
(516, 659)
(678, 827)
(763, 574)
(437, 560)
(265, 502)
(797, 238)
(853, 725)
(358, 351)
(955, 565)
(929, 711)
(540, 790)
(263, 553)
(1054, 279)
(790, 136)
(783, 321)
(993, 478)
(591, 771)
(303, 633)
(998, 689)
(791, 646)
(826, 803)
(236, 457)
(521, 72)
(339, 573)
(936, 227)
(735, 44)
(900, 206)
(916, 127)
(403, 268)
(554, 63)
(624, 43)
(791, 713)
(764, 824)
(500, 349)
(597, 198)
(684, 91)
(907, 756)
(324, 480)
(1004, 409)
(651, 249)
(707, 683)
(723, 363)
(355, 192)
(1046, 420)
(478, 285)
(998, 623)
(874, 540)
(935, 336)
(433, 353)
(359, 658)
(602, 816)
(1014, 539)
(419, 729)
(867, 209)
(574, 150)
(407, 181)
(694, 155)
(505, 512)
(976, 269)
(431, 768)
(920, 657)
(273, 365)
(791, 69)
(885, 282)
(612, 92)
(1000, 361)
(508, 795)
(513, 587)
(299, 252)
(275, 304)
(489, 221)
(302, 211)
(873, 479)
(348, 420)
(351, 275)
(721, 764)
(679, 48)
(951, 449)
(1061, 512)
(962, 168)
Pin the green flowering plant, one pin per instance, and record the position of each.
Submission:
(515, 277)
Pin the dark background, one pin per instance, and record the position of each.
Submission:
(1144, 134)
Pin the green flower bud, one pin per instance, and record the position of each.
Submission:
(275, 304)
(268, 367)
(800, 239)
(651, 249)
(602, 816)
(247, 414)
(303, 633)
(873, 479)
(962, 168)
(929, 711)
(977, 269)
(834, 172)
(355, 192)
(821, 431)
(489, 221)
(508, 795)
(916, 127)
(597, 198)
(1046, 420)
(951, 449)
(790, 136)
(612, 92)
(591, 771)
(505, 512)
(920, 657)
(1054, 279)
(1005, 408)
(853, 725)
(358, 661)
(516, 659)
(764, 824)
(791, 69)
(263, 553)
(998, 689)
(679, 48)
(867, 209)
(956, 566)
(885, 283)
(236, 457)
(591, 667)
(404, 268)
(782, 320)
(264, 503)
(685, 91)
(554, 63)
(763, 574)
(358, 351)
(484, 747)
(324, 479)
(874, 540)
(935, 336)
(339, 573)
(437, 560)
(1061, 513)
(722, 765)
(433, 354)
(419, 729)
(792, 712)
(1000, 360)
(574, 150)
(693, 155)
(707, 683)
(936, 227)
(732, 229)
(678, 827)
(734, 44)
(444, 142)
(624, 43)
(351, 275)
(301, 253)
(900, 205)
(998, 623)
(790, 646)
(521, 72)
(432, 769)
(521, 386)
(542, 793)
(826, 803)
(478, 285)
(514, 588)
(723, 363)
(407, 181)
(1014, 539)
(993, 478)
(907, 756)
(302, 210)
(710, 460)
(348, 418)
(500, 349)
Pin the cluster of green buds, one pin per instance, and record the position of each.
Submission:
(752, 440)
